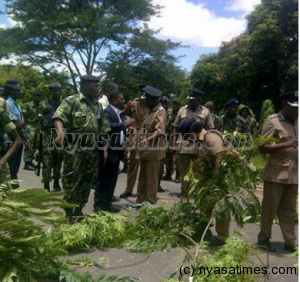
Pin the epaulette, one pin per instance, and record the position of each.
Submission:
(273, 116)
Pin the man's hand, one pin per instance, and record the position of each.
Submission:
(142, 143)
(58, 142)
(130, 122)
(291, 143)
(105, 156)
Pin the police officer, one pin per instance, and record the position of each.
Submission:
(187, 150)
(82, 117)
(139, 111)
(31, 112)
(51, 158)
(281, 173)
(151, 146)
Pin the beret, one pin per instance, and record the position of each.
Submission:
(176, 100)
(291, 97)
(54, 85)
(37, 93)
(232, 102)
(185, 125)
(90, 78)
(13, 84)
(164, 99)
(193, 94)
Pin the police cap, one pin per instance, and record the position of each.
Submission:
(185, 125)
(54, 85)
(231, 103)
(12, 84)
(176, 101)
(151, 92)
(88, 78)
(291, 98)
(193, 94)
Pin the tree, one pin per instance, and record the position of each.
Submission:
(75, 34)
(259, 63)
(148, 62)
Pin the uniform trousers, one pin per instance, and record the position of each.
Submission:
(184, 163)
(148, 181)
(133, 168)
(281, 200)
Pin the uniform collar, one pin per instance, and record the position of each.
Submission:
(83, 98)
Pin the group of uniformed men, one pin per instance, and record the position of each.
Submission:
(145, 125)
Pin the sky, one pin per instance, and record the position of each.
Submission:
(200, 24)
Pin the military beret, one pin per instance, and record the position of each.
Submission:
(164, 99)
(176, 101)
(291, 97)
(193, 94)
(231, 103)
(37, 93)
(54, 85)
(13, 84)
(90, 78)
(185, 125)
(151, 92)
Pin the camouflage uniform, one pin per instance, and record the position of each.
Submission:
(86, 119)
(52, 159)
(171, 159)
(248, 125)
(229, 125)
(31, 113)
(6, 126)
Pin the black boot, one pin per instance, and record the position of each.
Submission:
(47, 186)
(168, 176)
(28, 166)
(56, 186)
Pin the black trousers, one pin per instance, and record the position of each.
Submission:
(106, 183)
(14, 166)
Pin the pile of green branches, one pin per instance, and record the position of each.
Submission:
(155, 228)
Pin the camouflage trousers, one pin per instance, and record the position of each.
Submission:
(4, 174)
(79, 173)
(31, 138)
(52, 163)
(170, 162)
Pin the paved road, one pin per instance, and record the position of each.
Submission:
(159, 265)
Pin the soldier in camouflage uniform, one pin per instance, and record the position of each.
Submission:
(172, 159)
(229, 122)
(31, 111)
(248, 123)
(51, 158)
(82, 117)
(8, 127)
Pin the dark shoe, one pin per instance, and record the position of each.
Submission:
(160, 189)
(217, 242)
(177, 180)
(47, 186)
(266, 245)
(115, 199)
(126, 194)
(134, 205)
(167, 177)
(124, 170)
(56, 186)
(290, 248)
(28, 166)
(107, 209)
